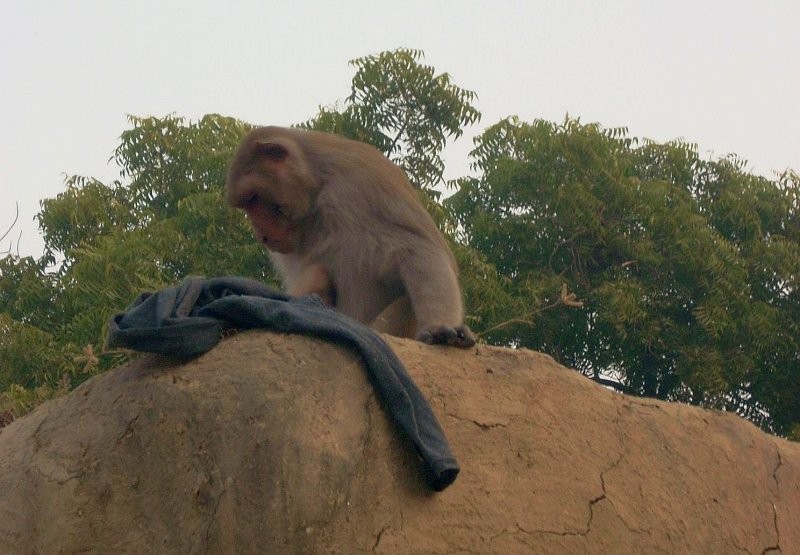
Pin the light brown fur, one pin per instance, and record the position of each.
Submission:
(342, 221)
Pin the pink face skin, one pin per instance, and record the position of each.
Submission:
(271, 227)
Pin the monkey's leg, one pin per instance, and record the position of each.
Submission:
(396, 319)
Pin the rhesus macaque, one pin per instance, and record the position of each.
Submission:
(342, 221)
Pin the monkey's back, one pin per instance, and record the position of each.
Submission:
(377, 191)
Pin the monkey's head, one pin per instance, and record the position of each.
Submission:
(270, 179)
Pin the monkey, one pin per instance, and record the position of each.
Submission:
(342, 221)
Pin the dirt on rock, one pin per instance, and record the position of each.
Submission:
(277, 444)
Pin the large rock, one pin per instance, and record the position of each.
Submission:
(276, 444)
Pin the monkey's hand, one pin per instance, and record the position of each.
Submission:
(460, 336)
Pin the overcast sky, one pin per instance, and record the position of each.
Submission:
(725, 74)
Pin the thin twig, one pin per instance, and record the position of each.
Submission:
(506, 323)
(565, 298)
(16, 217)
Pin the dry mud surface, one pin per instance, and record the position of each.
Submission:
(276, 444)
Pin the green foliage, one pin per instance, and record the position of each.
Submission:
(165, 218)
(637, 263)
(111, 242)
(404, 109)
(28, 292)
(685, 270)
(84, 212)
(17, 401)
(25, 357)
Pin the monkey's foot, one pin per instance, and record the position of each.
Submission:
(460, 336)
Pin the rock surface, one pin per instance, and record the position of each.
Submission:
(276, 444)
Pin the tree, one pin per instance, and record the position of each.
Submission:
(166, 218)
(642, 265)
(639, 264)
(104, 244)
(405, 110)
(408, 112)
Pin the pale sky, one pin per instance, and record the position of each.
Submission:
(723, 74)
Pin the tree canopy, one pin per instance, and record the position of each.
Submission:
(683, 271)
(641, 265)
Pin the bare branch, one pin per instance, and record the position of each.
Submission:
(565, 299)
(5, 234)
(16, 217)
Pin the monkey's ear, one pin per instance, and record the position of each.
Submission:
(274, 151)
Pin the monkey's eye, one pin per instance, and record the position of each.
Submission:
(250, 201)
(276, 209)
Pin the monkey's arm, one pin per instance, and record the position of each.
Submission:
(431, 284)
(314, 279)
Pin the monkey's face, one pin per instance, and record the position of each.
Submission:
(269, 179)
(272, 226)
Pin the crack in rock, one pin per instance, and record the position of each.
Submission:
(479, 424)
(213, 516)
(777, 547)
(378, 538)
(128, 432)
